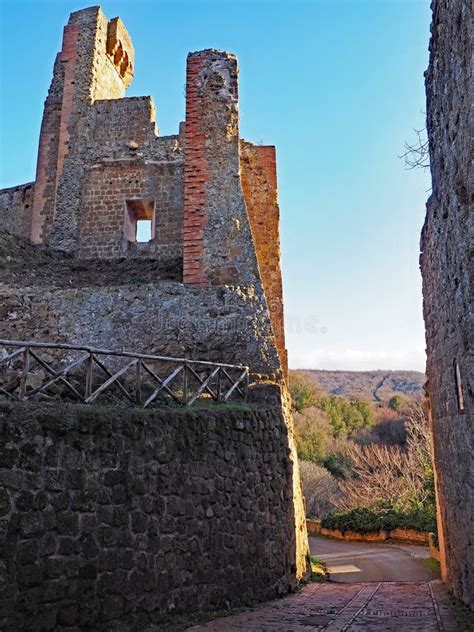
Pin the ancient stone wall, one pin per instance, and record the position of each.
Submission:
(83, 72)
(16, 205)
(110, 191)
(218, 247)
(259, 185)
(222, 324)
(447, 269)
(124, 519)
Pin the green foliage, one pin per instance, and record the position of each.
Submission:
(311, 444)
(304, 391)
(346, 417)
(396, 402)
(339, 464)
(365, 520)
(312, 433)
(432, 566)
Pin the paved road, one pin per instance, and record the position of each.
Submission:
(365, 562)
(374, 588)
(334, 607)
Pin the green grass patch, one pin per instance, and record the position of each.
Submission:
(213, 405)
(432, 566)
(318, 570)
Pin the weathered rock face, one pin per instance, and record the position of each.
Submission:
(228, 324)
(121, 517)
(446, 264)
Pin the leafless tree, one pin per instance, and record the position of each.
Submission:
(417, 154)
(319, 487)
(384, 473)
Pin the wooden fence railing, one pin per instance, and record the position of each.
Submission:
(50, 371)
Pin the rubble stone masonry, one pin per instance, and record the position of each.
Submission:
(210, 198)
(447, 269)
(117, 518)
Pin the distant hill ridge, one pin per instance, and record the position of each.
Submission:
(376, 386)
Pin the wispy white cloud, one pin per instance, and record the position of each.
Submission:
(358, 359)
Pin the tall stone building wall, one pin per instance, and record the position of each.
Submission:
(213, 513)
(447, 269)
(16, 205)
(103, 168)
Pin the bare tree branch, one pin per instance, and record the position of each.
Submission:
(417, 154)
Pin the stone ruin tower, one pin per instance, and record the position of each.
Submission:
(155, 245)
(109, 187)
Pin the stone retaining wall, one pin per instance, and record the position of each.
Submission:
(117, 518)
(401, 535)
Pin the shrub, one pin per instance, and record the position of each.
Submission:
(346, 416)
(339, 464)
(365, 520)
(382, 474)
(319, 488)
(312, 430)
(396, 402)
(304, 392)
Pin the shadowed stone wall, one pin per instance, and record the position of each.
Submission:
(447, 269)
(121, 516)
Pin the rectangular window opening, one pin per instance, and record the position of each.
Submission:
(139, 222)
(143, 230)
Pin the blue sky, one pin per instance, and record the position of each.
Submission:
(337, 86)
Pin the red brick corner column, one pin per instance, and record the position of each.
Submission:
(196, 176)
(259, 184)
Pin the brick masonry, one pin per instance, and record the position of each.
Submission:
(196, 175)
(446, 265)
(259, 184)
(213, 198)
(101, 165)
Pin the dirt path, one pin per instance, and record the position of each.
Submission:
(366, 562)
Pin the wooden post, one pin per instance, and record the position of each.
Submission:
(89, 368)
(138, 383)
(219, 386)
(185, 383)
(24, 375)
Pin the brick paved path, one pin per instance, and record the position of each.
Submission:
(333, 607)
